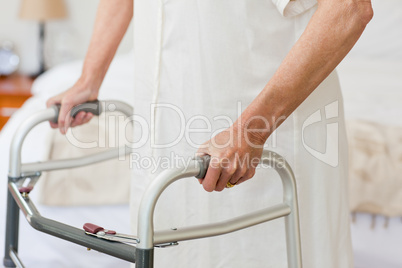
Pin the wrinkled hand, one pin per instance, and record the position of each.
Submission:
(76, 95)
(235, 154)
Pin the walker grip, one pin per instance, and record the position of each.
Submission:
(93, 107)
(204, 164)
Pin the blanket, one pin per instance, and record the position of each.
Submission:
(375, 167)
(103, 183)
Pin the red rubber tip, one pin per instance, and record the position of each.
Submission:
(92, 228)
(25, 189)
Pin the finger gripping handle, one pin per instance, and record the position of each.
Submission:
(204, 164)
(93, 107)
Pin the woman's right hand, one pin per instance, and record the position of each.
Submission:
(79, 93)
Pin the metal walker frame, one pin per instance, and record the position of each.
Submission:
(22, 178)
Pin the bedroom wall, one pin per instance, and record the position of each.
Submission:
(382, 39)
(67, 39)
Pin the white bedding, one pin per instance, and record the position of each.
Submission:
(378, 246)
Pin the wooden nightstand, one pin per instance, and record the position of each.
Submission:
(14, 91)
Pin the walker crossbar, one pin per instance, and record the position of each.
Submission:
(66, 232)
(143, 253)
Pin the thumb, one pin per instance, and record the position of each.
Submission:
(49, 103)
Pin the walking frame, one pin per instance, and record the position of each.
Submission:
(136, 249)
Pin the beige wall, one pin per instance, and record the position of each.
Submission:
(67, 39)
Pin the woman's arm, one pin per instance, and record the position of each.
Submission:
(330, 35)
(112, 20)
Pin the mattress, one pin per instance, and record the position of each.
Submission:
(377, 241)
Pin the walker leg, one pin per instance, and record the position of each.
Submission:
(12, 225)
(144, 258)
(293, 243)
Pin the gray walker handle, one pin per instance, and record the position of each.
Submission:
(94, 107)
(148, 237)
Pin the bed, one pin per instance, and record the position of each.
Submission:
(372, 86)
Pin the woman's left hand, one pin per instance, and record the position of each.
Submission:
(235, 154)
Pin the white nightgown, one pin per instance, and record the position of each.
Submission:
(198, 64)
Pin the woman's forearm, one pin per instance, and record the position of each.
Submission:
(112, 21)
(330, 35)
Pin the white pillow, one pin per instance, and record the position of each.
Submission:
(118, 83)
